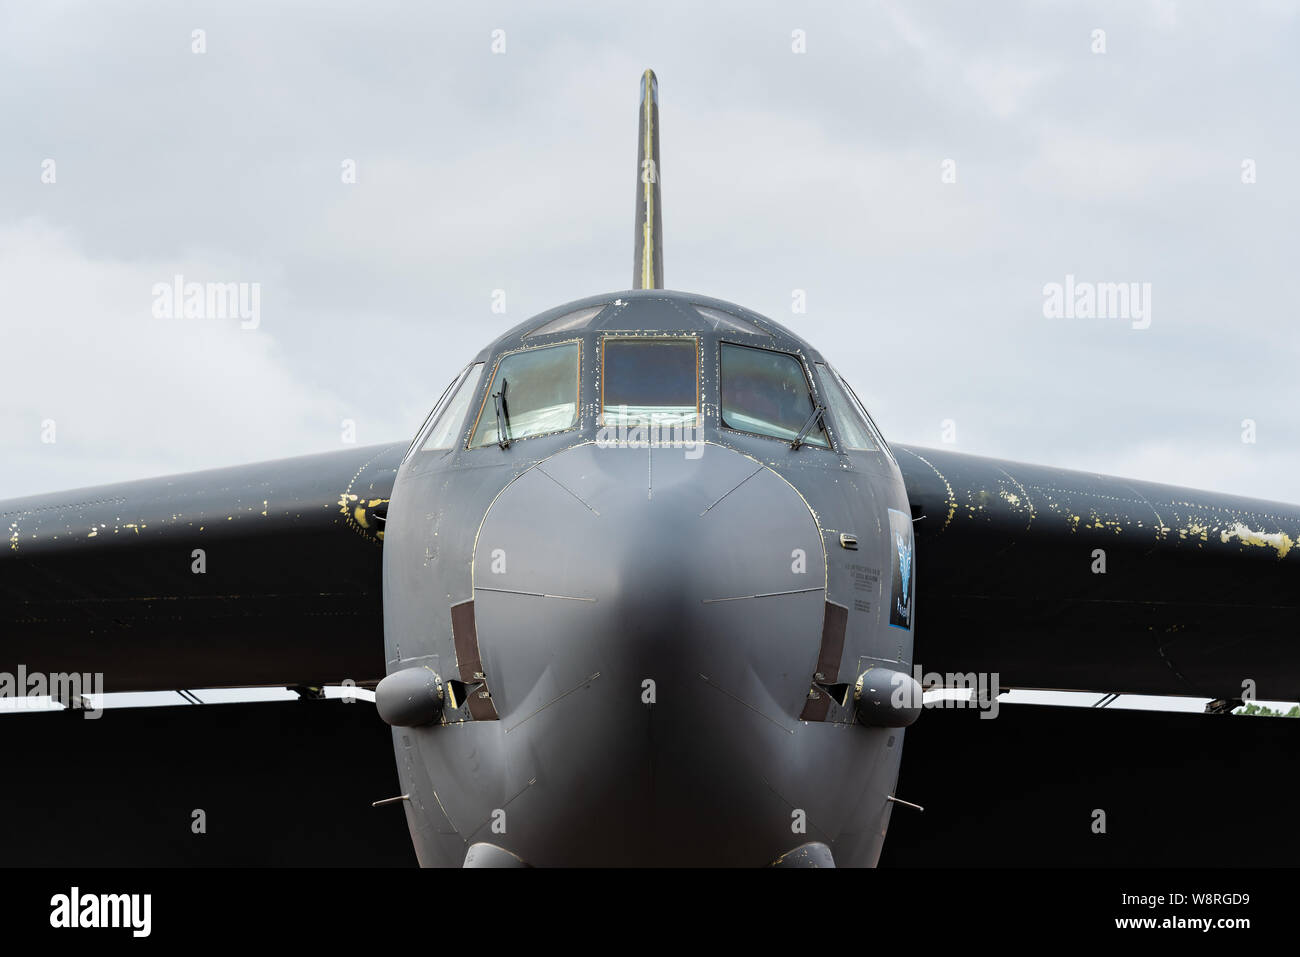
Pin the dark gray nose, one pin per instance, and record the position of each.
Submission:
(650, 619)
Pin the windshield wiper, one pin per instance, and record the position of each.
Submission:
(818, 411)
(503, 416)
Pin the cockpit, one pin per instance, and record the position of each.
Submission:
(649, 369)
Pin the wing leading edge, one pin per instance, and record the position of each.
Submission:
(265, 574)
(1069, 580)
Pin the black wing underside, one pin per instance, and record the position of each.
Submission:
(1199, 592)
(1199, 596)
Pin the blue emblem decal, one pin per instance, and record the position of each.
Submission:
(900, 604)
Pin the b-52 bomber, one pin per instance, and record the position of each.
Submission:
(650, 587)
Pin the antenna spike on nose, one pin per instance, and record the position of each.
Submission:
(648, 268)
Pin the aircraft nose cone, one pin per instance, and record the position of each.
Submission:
(649, 621)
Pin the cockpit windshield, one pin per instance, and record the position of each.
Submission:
(653, 381)
(766, 392)
(534, 392)
(649, 381)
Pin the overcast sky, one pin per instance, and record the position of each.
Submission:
(820, 171)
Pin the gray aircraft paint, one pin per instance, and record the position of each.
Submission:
(630, 564)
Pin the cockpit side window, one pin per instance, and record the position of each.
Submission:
(433, 414)
(852, 429)
(534, 392)
(447, 423)
(652, 382)
(871, 423)
(766, 392)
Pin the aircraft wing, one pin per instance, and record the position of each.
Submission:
(1200, 591)
(265, 574)
(1069, 580)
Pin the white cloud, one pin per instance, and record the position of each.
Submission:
(129, 393)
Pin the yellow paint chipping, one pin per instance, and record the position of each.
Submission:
(951, 499)
(1280, 542)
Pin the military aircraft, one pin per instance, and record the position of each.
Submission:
(644, 588)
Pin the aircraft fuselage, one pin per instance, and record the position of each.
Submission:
(649, 638)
